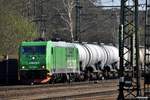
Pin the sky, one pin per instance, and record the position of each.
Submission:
(110, 2)
(117, 3)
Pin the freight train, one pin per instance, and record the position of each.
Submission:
(48, 61)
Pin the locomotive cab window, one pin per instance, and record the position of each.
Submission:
(52, 50)
(33, 49)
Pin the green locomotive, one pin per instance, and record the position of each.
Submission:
(43, 61)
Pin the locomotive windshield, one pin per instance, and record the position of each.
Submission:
(33, 49)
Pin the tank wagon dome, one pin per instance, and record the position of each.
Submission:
(141, 55)
(91, 54)
(83, 55)
(97, 54)
(112, 54)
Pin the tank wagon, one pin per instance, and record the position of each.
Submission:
(141, 58)
(97, 61)
(44, 61)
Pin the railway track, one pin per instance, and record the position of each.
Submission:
(20, 87)
(59, 91)
(87, 95)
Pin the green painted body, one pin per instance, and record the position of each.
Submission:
(54, 58)
(64, 60)
(31, 60)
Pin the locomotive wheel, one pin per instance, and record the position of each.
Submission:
(81, 77)
(32, 83)
(53, 80)
(70, 78)
(64, 78)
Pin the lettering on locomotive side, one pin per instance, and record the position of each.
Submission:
(71, 63)
(34, 62)
(69, 52)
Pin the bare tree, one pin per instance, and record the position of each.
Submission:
(69, 6)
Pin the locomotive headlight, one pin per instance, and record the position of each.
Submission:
(33, 58)
(23, 67)
(43, 67)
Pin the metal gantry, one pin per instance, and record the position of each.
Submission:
(35, 11)
(77, 23)
(129, 85)
(40, 16)
(147, 51)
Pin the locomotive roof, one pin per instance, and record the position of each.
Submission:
(56, 44)
(35, 43)
(63, 44)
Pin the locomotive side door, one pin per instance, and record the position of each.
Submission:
(54, 59)
(69, 59)
(59, 59)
